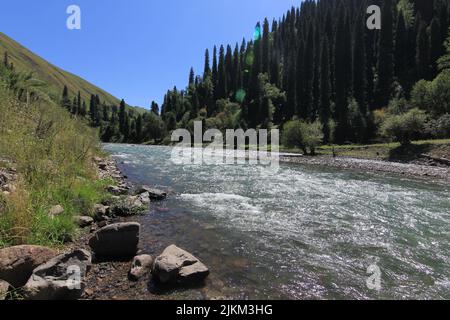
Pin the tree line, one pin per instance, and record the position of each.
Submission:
(318, 63)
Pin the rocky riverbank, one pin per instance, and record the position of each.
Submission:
(105, 261)
(429, 172)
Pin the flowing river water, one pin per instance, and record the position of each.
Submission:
(304, 233)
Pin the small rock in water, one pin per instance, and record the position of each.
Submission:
(153, 193)
(118, 240)
(61, 278)
(140, 267)
(177, 266)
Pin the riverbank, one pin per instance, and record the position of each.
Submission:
(410, 170)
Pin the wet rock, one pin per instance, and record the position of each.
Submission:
(153, 193)
(140, 267)
(131, 205)
(4, 288)
(17, 263)
(118, 240)
(83, 221)
(56, 211)
(177, 266)
(61, 278)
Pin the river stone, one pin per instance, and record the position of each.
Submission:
(117, 191)
(4, 288)
(119, 240)
(61, 278)
(83, 221)
(17, 263)
(153, 193)
(56, 211)
(177, 266)
(140, 267)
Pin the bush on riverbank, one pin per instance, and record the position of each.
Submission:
(51, 152)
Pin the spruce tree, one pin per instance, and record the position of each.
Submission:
(422, 52)
(385, 67)
(325, 94)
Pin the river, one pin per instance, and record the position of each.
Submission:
(304, 233)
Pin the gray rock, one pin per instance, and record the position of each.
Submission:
(177, 266)
(61, 278)
(131, 205)
(118, 240)
(144, 198)
(117, 191)
(140, 267)
(56, 211)
(153, 193)
(83, 221)
(17, 263)
(4, 288)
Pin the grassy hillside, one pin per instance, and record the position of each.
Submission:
(25, 60)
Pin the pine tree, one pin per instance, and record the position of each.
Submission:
(385, 56)
(265, 47)
(207, 69)
(325, 94)
(221, 90)
(122, 117)
(359, 64)
(422, 52)
(435, 45)
(191, 77)
(65, 101)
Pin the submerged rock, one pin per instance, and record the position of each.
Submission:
(140, 267)
(17, 263)
(153, 193)
(61, 278)
(118, 240)
(177, 266)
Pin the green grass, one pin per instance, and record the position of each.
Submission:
(54, 168)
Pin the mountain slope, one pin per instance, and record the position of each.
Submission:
(25, 60)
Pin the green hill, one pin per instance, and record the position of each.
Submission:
(25, 60)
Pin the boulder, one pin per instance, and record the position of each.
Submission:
(140, 267)
(56, 211)
(83, 221)
(119, 240)
(153, 193)
(17, 263)
(4, 288)
(179, 267)
(129, 206)
(61, 278)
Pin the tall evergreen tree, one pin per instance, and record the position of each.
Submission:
(385, 67)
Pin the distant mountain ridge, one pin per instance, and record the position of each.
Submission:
(25, 60)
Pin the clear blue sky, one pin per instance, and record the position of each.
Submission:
(135, 49)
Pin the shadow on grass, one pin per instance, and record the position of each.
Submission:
(409, 152)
